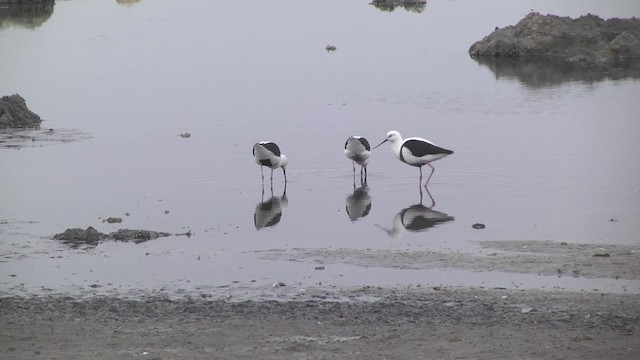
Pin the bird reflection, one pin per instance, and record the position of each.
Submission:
(268, 213)
(415, 218)
(358, 203)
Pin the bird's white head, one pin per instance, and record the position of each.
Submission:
(283, 164)
(283, 161)
(393, 137)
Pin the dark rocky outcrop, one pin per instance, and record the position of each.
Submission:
(14, 113)
(76, 237)
(136, 235)
(588, 40)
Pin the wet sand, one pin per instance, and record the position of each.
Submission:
(390, 324)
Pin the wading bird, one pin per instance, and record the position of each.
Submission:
(267, 153)
(357, 149)
(415, 152)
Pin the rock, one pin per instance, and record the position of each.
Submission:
(78, 236)
(136, 235)
(14, 113)
(112, 220)
(478, 226)
(602, 255)
(589, 40)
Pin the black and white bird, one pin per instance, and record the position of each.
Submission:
(357, 149)
(267, 153)
(415, 151)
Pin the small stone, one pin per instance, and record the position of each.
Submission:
(478, 226)
(278, 284)
(185, 135)
(602, 255)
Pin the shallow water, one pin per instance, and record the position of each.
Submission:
(542, 154)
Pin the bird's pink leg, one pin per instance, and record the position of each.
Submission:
(430, 174)
(262, 173)
(420, 184)
(271, 176)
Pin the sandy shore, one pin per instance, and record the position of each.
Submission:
(367, 323)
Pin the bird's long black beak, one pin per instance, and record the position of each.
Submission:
(384, 141)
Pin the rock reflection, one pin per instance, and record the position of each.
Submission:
(18, 138)
(127, 2)
(415, 218)
(539, 73)
(358, 204)
(268, 213)
(416, 6)
(27, 14)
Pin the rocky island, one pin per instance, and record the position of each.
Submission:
(14, 113)
(588, 40)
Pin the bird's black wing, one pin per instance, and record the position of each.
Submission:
(421, 148)
(272, 147)
(365, 143)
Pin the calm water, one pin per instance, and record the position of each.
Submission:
(542, 154)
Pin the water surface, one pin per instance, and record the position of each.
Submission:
(541, 152)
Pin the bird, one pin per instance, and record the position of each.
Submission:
(357, 149)
(415, 151)
(267, 153)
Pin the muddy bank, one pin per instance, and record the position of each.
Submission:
(388, 324)
(588, 40)
(14, 113)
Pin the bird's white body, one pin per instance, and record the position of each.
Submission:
(267, 153)
(357, 149)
